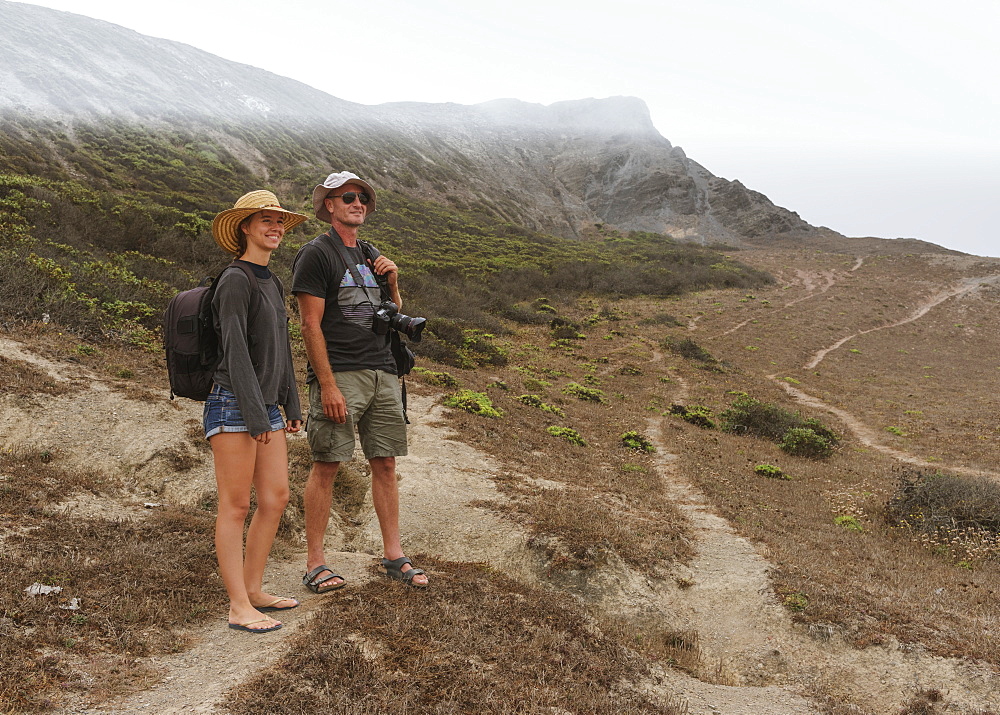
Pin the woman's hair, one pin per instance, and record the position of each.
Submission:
(241, 237)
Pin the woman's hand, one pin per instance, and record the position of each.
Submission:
(293, 426)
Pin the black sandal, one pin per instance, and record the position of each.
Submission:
(313, 581)
(394, 570)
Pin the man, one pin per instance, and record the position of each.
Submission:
(352, 374)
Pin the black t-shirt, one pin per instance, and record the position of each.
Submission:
(351, 344)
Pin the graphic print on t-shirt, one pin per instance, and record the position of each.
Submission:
(358, 302)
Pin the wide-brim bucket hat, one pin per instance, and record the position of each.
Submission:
(334, 181)
(226, 225)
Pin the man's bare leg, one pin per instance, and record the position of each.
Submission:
(385, 497)
(318, 498)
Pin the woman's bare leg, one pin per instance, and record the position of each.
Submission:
(235, 455)
(270, 481)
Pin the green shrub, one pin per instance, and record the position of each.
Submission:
(796, 601)
(770, 471)
(687, 348)
(805, 442)
(695, 414)
(536, 401)
(636, 441)
(478, 348)
(588, 394)
(475, 402)
(759, 419)
(441, 379)
(563, 329)
(568, 434)
(849, 522)
(803, 437)
(532, 383)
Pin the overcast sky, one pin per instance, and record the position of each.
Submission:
(872, 117)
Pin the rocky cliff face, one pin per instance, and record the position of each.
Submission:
(566, 168)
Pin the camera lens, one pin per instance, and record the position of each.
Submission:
(408, 326)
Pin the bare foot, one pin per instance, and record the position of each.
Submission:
(253, 621)
(265, 602)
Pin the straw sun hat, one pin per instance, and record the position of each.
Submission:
(226, 225)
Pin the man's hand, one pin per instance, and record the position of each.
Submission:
(384, 267)
(334, 404)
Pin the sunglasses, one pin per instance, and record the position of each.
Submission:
(349, 197)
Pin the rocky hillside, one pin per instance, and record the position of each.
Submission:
(569, 168)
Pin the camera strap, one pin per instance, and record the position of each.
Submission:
(397, 346)
(348, 260)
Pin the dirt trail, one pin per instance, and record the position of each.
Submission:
(865, 434)
(870, 437)
(767, 664)
(965, 287)
(752, 641)
(815, 283)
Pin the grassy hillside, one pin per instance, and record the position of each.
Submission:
(835, 409)
(102, 225)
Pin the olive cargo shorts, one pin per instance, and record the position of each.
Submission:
(374, 405)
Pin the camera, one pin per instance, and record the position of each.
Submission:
(388, 316)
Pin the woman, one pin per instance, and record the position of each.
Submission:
(242, 421)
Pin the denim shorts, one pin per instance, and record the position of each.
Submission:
(222, 414)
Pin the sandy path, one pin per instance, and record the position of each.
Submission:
(965, 287)
(768, 664)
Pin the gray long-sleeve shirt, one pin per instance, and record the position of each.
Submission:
(259, 373)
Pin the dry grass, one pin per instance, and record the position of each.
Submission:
(613, 503)
(475, 642)
(478, 636)
(591, 527)
(136, 585)
(27, 381)
(876, 583)
(138, 374)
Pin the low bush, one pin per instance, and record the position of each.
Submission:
(536, 401)
(476, 403)
(441, 379)
(929, 501)
(770, 471)
(695, 414)
(796, 435)
(587, 394)
(687, 348)
(568, 434)
(759, 419)
(636, 441)
(805, 442)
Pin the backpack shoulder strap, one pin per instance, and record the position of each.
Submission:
(255, 297)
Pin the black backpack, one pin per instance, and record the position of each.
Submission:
(189, 336)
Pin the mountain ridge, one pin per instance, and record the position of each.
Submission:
(569, 168)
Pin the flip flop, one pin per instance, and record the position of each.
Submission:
(271, 607)
(313, 580)
(246, 626)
